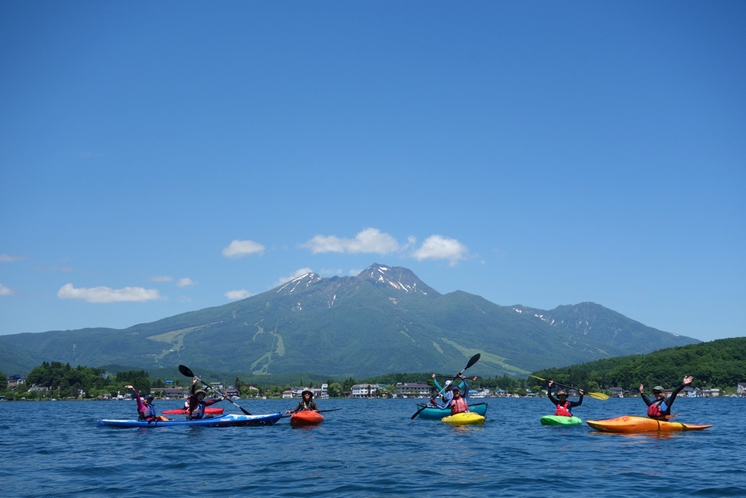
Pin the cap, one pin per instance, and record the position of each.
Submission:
(149, 396)
(658, 389)
(448, 382)
(561, 392)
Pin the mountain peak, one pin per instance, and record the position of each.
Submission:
(397, 277)
(299, 283)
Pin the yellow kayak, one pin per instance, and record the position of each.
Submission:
(631, 424)
(463, 418)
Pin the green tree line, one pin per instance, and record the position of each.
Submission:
(720, 363)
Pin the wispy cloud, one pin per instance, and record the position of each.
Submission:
(439, 247)
(4, 291)
(241, 248)
(161, 278)
(292, 276)
(185, 282)
(370, 240)
(108, 295)
(10, 258)
(238, 294)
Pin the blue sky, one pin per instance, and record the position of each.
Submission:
(164, 157)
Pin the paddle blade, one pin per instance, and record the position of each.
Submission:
(472, 361)
(601, 396)
(185, 371)
(535, 377)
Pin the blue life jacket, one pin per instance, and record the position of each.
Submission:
(199, 412)
(149, 411)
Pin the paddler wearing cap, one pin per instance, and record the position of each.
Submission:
(564, 406)
(306, 403)
(447, 393)
(660, 407)
(197, 403)
(460, 390)
(145, 408)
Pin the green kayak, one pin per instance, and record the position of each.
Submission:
(560, 420)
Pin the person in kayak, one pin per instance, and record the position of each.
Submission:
(660, 407)
(459, 403)
(197, 403)
(564, 407)
(145, 408)
(306, 403)
(447, 394)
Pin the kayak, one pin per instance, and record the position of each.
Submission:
(631, 424)
(560, 420)
(463, 418)
(306, 417)
(229, 420)
(208, 411)
(435, 413)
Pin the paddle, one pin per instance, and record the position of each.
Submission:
(599, 396)
(471, 362)
(186, 371)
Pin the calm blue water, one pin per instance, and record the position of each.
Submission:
(370, 448)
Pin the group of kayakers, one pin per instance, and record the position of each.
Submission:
(196, 402)
(194, 406)
(659, 408)
(454, 396)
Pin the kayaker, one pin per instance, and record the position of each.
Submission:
(306, 403)
(564, 407)
(447, 394)
(197, 403)
(145, 407)
(660, 407)
(459, 404)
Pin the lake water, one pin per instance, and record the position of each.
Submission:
(370, 448)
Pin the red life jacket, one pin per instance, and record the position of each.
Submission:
(563, 410)
(655, 410)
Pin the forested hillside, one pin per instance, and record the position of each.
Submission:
(720, 363)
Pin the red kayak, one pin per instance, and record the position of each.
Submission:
(306, 417)
(208, 411)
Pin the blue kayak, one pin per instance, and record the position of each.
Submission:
(435, 413)
(230, 420)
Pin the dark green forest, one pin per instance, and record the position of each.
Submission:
(720, 363)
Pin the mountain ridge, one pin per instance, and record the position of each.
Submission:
(383, 320)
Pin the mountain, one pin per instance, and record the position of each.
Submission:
(383, 320)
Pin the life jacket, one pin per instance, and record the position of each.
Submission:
(199, 411)
(563, 410)
(149, 411)
(656, 408)
(459, 405)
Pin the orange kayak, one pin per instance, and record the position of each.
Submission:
(208, 411)
(306, 417)
(629, 424)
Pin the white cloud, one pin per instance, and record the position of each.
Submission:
(238, 294)
(161, 278)
(439, 247)
(185, 282)
(241, 248)
(107, 294)
(370, 240)
(292, 276)
(4, 291)
(10, 258)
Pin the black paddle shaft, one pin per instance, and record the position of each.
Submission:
(185, 370)
(471, 362)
